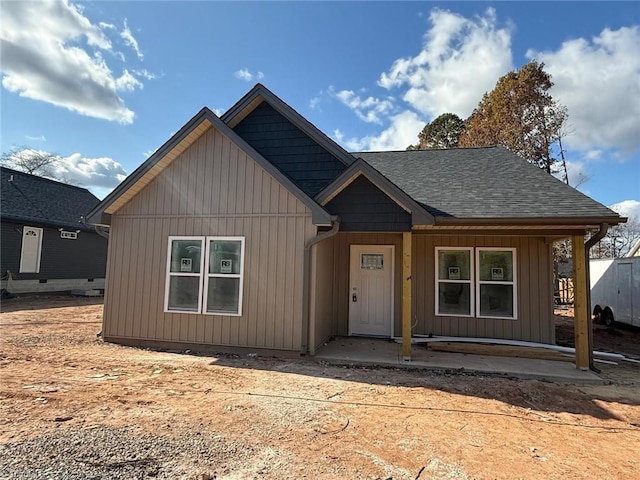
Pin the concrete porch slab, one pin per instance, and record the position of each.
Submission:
(384, 352)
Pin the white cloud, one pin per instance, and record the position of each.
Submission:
(127, 82)
(402, 132)
(628, 208)
(130, 40)
(367, 109)
(97, 174)
(599, 82)
(44, 58)
(577, 172)
(314, 102)
(460, 60)
(144, 73)
(41, 138)
(245, 74)
(102, 172)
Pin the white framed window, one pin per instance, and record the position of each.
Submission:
(223, 280)
(205, 275)
(496, 282)
(454, 281)
(484, 286)
(31, 251)
(185, 264)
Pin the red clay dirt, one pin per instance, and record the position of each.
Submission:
(302, 419)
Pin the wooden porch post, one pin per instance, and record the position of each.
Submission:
(406, 296)
(580, 307)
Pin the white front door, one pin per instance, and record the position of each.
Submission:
(371, 290)
(31, 250)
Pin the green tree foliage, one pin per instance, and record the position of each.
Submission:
(443, 132)
(520, 114)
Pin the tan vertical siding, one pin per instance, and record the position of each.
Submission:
(534, 294)
(324, 293)
(534, 287)
(212, 188)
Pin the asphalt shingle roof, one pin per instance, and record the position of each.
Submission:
(476, 183)
(29, 198)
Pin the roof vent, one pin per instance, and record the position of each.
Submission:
(11, 178)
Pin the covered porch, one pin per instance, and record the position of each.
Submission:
(384, 352)
(413, 288)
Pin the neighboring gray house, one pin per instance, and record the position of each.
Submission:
(44, 246)
(257, 230)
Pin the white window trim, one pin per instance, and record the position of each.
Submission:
(208, 275)
(514, 283)
(170, 274)
(204, 274)
(469, 282)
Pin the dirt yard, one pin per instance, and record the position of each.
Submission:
(72, 406)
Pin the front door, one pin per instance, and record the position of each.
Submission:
(371, 290)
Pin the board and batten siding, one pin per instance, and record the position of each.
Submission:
(534, 286)
(535, 320)
(212, 189)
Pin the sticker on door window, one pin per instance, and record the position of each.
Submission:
(371, 261)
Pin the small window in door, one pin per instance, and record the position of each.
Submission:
(371, 261)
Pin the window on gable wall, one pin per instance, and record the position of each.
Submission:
(485, 288)
(204, 275)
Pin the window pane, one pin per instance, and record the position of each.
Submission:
(223, 295)
(454, 265)
(454, 298)
(496, 300)
(185, 256)
(496, 265)
(224, 256)
(183, 293)
(371, 261)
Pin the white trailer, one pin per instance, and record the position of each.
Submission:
(615, 290)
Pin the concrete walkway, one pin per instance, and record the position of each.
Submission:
(368, 351)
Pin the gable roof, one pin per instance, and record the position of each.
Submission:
(41, 201)
(419, 215)
(260, 93)
(172, 148)
(481, 185)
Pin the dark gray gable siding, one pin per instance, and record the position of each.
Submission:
(287, 147)
(363, 207)
(61, 258)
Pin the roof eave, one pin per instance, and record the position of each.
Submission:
(588, 222)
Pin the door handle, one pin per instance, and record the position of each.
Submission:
(354, 298)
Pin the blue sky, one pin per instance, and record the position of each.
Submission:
(103, 84)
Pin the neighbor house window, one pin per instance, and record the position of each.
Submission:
(454, 276)
(496, 286)
(204, 275)
(485, 288)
